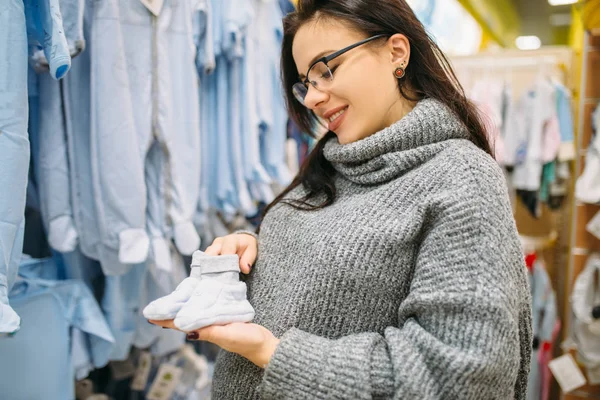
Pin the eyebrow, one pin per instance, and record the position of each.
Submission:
(315, 58)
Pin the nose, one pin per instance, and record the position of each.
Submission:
(314, 97)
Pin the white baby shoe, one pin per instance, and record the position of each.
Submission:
(168, 306)
(215, 301)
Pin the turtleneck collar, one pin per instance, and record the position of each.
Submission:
(411, 141)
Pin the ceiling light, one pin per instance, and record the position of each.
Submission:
(561, 2)
(528, 43)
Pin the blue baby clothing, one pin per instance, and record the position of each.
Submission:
(271, 107)
(564, 112)
(153, 63)
(47, 42)
(76, 339)
(14, 150)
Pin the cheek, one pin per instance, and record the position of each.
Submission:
(373, 93)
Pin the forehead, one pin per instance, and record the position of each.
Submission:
(320, 36)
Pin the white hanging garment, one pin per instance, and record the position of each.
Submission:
(587, 188)
(586, 328)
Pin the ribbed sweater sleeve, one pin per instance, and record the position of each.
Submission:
(459, 330)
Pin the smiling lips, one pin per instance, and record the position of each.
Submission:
(335, 117)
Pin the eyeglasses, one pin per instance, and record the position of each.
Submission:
(319, 74)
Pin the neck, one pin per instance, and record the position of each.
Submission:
(398, 110)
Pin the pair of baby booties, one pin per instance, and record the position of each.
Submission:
(211, 295)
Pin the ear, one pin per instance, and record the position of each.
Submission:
(399, 48)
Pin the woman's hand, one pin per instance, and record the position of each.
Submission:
(245, 246)
(252, 341)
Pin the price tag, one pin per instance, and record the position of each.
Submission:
(154, 6)
(122, 369)
(84, 389)
(140, 379)
(567, 373)
(165, 382)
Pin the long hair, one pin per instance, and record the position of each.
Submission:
(429, 75)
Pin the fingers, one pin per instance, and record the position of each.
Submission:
(164, 323)
(247, 259)
(215, 248)
(205, 334)
(230, 245)
(234, 244)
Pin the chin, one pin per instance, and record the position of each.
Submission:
(348, 137)
(344, 139)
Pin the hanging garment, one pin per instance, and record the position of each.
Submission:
(565, 119)
(544, 357)
(74, 267)
(47, 42)
(217, 183)
(534, 111)
(72, 13)
(158, 283)
(72, 22)
(76, 339)
(62, 159)
(587, 188)
(271, 108)
(120, 305)
(53, 167)
(205, 64)
(488, 95)
(250, 176)
(548, 178)
(152, 61)
(586, 325)
(14, 151)
(544, 320)
(530, 200)
(551, 140)
(258, 179)
(156, 212)
(238, 16)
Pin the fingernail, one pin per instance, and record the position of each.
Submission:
(193, 336)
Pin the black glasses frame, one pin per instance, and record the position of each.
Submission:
(338, 53)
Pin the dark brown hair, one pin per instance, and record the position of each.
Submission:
(428, 75)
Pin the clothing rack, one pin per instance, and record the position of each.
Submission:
(504, 62)
(518, 68)
(582, 242)
(547, 235)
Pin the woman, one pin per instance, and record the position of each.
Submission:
(391, 267)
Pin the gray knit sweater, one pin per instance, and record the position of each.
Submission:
(411, 285)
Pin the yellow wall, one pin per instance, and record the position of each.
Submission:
(498, 19)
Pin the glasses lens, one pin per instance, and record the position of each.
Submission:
(320, 75)
(299, 91)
